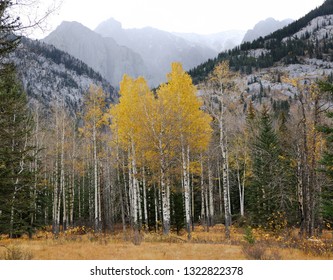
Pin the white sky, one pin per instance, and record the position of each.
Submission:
(197, 16)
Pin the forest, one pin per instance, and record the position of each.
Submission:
(166, 161)
(169, 159)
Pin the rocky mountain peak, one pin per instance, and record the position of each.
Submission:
(265, 27)
(109, 27)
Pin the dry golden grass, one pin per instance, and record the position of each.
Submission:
(203, 246)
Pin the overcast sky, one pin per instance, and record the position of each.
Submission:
(197, 16)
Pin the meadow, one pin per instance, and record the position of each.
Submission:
(84, 244)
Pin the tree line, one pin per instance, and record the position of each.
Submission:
(166, 160)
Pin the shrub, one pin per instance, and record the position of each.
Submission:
(248, 236)
(16, 253)
(254, 251)
(259, 252)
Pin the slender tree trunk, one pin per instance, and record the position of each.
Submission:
(156, 200)
(11, 223)
(96, 217)
(165, 192)
(185, 155)
(165, 204)
(306, 226)
(121, 196)
(225, 180)
(241, 187)
(135, 194)
(202, 184)
(211, 196)
(62, 174)
(145, 210)
(220, 188)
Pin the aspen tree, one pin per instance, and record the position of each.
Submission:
(215, 101)
(190, 125)
(94, 120)
(127, 122)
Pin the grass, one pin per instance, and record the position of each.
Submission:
(154, 246)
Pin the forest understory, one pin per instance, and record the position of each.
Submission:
(81, 243)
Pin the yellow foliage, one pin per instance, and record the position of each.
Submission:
(158, 125)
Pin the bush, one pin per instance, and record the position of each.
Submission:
(260, 252)
(248, 236)
(254, 251)
(16, 253)
(277, 223)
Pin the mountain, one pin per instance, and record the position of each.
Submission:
(104, 55)
(305, 39)
(217, 41)
(264, 28)
(51, 76)
(157, 48)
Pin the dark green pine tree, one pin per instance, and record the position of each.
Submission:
(178, 221)
(264, 190)
(327, 161)
(16, 177)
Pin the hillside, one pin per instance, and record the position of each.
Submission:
(283, 47)
(50, 76)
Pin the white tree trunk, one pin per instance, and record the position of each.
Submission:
(62, 173)
(96, 198)
(145, 210)
(225, 180)
(211, 196)
(203, 215)
(186, 183)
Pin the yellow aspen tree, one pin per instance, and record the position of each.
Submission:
(94, 119)
(190, 126)
(157, 128)
(128, 122)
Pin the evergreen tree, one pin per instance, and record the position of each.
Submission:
(265, 160)
(16, 177)
(327, 162)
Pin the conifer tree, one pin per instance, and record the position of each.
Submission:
(16, 177)
(327, 162)
(265, 153)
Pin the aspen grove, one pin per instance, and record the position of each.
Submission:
(176, 157)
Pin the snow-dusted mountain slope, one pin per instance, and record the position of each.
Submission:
(51, 76)
(317, 29)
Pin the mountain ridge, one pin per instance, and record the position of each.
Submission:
(158, 48)
(264, 28)
(269, 50)
(103, 55)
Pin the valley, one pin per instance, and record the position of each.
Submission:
(146, 144)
